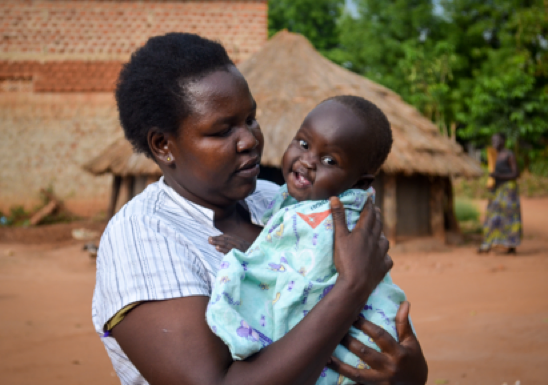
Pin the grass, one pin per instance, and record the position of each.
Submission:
(468, 216)
(466, 210)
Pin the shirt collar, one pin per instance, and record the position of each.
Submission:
(197, 211)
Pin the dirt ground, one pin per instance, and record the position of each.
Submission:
(481, 320)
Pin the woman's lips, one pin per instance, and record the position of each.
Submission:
(250, 171)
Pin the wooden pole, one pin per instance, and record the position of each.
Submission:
(454, 235)
(390, 212)
(114, 195)
(126, 192)
(436, 209)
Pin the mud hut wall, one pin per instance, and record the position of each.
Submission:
(58, 66)
(413, 205)
(46, 137)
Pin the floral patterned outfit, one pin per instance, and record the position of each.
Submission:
(260, 295)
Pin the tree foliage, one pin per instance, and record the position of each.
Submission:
(315, 19)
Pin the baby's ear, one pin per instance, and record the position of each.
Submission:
(365, 181)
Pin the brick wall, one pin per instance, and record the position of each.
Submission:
(58, 64)
(112, 30)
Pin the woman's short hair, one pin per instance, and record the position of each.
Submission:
(151, 90)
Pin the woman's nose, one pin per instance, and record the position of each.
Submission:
(247, 141)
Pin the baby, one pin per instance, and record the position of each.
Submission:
(261, 294)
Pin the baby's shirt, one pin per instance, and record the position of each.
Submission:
(260, 295)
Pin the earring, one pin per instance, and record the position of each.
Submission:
(168, 159)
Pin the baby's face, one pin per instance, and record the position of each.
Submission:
(325, 156)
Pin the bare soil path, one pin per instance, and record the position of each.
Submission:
(481, 320)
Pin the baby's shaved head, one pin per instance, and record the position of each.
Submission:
(379, 134)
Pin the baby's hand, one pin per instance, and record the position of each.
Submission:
(225, 243)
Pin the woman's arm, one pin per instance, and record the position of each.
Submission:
(170, 342)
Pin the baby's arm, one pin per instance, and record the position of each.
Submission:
(224, 243)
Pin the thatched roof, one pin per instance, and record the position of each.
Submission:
(288, 78)
(119, 159)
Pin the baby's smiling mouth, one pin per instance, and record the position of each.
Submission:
(301, 178)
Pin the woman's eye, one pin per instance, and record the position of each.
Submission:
(303, 144)
(328, 161)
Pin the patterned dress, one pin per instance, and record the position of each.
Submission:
(502, 226)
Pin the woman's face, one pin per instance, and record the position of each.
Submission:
(217, 153)
(497, 142)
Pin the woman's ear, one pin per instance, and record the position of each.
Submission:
(158, 142)
(365, 181)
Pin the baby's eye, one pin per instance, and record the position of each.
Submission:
(303, 144)
(328, 161)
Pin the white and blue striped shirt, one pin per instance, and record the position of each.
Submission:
(156, 248)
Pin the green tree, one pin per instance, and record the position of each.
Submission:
(428, 73)
(372, 43)
(480, 67)
(510, 82)
(400, 44)
(314, 19)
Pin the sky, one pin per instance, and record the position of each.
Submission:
(351, 6)
(353, 9)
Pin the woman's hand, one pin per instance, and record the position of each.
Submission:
(224, 243)
(399, 363)
(360, 256)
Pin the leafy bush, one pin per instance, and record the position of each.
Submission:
(466, 210)
(540, 167)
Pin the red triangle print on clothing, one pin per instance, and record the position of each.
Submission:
(315, 219)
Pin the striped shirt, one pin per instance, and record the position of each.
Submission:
(155, 248)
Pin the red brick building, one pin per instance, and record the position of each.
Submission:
(59, 60)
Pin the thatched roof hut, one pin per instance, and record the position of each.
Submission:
(119, 159)
(288, 78)
(132, 172)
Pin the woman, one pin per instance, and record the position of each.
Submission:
(183, 103)
(502, 226)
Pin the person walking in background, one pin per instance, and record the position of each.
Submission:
(502, 226)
